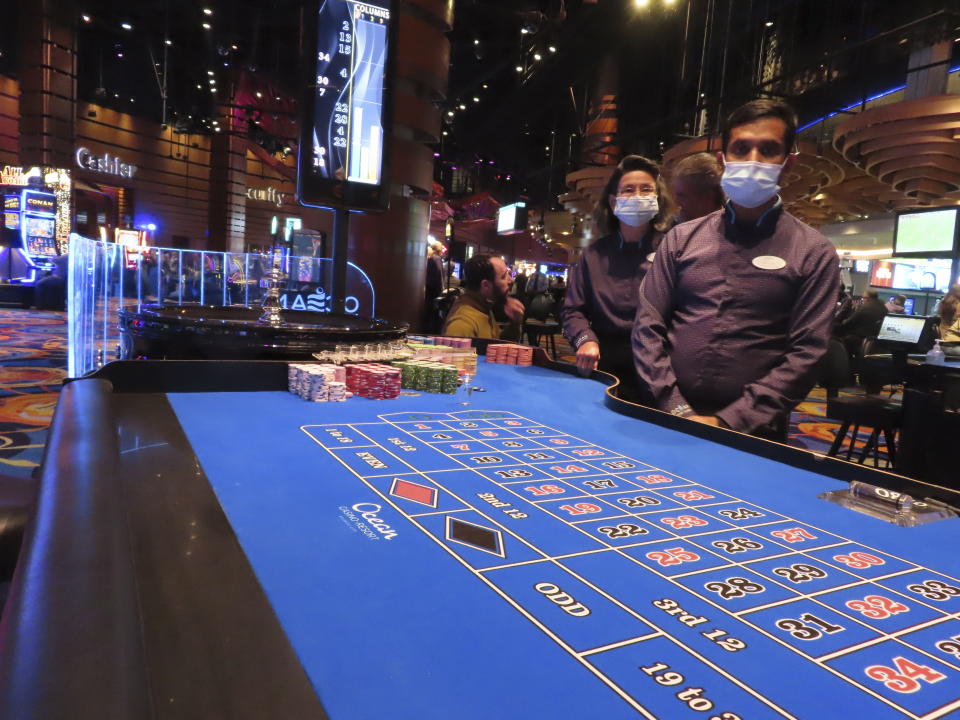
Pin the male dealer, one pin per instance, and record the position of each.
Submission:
(737, 308)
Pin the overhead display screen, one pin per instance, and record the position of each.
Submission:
(930, 232)
(512, 218)
(345, 131)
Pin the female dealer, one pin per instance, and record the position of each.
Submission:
(601, 298)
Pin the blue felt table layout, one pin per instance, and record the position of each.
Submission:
(433, 560)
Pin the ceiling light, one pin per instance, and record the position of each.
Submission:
(213, 81)
(519, 69)
(450, 113)
(233, 47)
(485, 86)
(476, 42)
(641, 3)
(126, 26)
(209, 72)
(206, 26)
(523, 31)
(768, 23)
(538, 57)
(552, 48)
(259, 94)
(119, 54)
(207, 11)
(463, 107)
(476, 99)
(199, 86)
(86, 18)
(445, 132)
(168, 42)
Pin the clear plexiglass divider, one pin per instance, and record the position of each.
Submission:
(105, 277)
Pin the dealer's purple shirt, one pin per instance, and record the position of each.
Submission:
(728, 338)
(601, 296)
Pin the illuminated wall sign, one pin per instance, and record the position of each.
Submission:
(269, 194)
(106, 163)
(345, 130)
(12, 175)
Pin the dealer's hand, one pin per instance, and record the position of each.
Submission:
(711, 420)
(588, 355)
(513, 309)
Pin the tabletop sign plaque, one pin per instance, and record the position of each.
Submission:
(347, 104)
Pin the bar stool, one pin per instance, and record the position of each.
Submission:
(881, 414)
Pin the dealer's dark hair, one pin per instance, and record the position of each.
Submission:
(476, 270)
(606, 221)
(762, 108)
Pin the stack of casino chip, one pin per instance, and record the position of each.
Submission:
(374, 380)
(337, 391)
(317, 382)
(508, 354)
(428, 376)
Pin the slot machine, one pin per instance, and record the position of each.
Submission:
(132, 241)
(29, 222)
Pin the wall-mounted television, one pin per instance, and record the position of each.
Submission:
(512, 218)
(926, 233)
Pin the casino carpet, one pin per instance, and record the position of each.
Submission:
(33, 360)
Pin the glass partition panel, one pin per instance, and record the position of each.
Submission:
(105, 277)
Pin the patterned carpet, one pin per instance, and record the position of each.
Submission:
(33, 361)
(33, 347)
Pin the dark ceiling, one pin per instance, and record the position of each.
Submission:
(681, 66)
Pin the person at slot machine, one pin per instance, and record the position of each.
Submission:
(601, 295)
(896, 305)
(949, 312)
(736, 311)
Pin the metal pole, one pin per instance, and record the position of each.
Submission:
(341, 236)
(723, 68)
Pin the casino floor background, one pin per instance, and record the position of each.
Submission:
(33, 346)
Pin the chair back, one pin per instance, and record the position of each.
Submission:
(835, 368)
(541, 306)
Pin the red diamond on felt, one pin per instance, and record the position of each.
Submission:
(407, 490)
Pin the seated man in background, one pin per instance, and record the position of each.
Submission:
(486, 280)
(737, 308)
(864, 322)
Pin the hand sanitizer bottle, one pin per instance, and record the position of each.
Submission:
(935, 356)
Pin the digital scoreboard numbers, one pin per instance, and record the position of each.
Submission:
(345, 130)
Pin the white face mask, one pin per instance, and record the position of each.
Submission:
(635, 210)
(750, 184)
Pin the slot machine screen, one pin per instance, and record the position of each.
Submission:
(40, 236)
